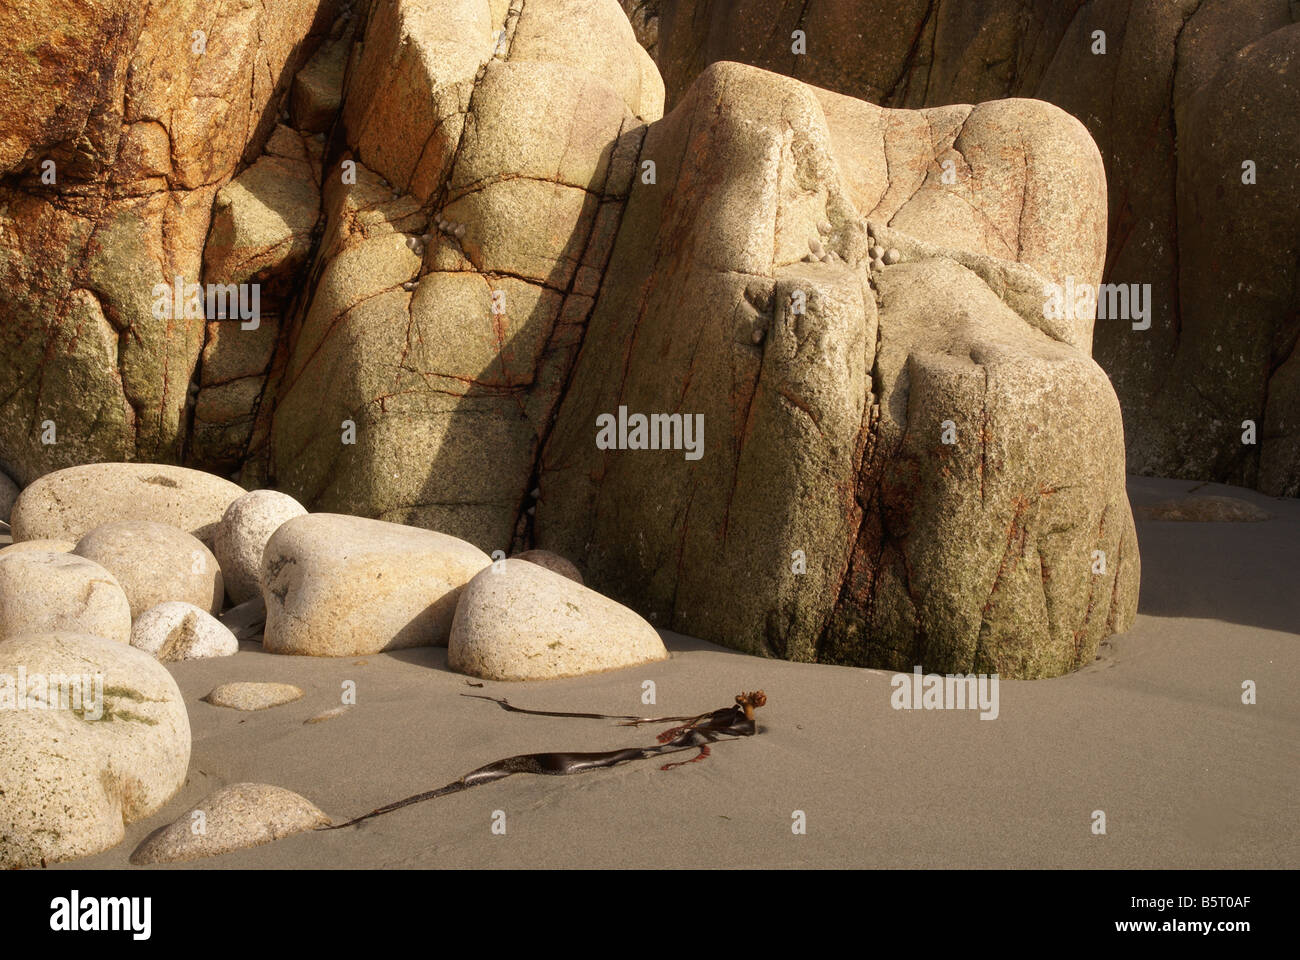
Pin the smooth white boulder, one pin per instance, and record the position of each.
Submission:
(522, 621)
(41, 591)
(338, 586)
(176, 630)
(242, 536)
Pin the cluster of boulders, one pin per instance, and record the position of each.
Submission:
(118, 567)
(459, 216)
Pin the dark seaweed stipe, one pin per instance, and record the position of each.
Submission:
(728, 723)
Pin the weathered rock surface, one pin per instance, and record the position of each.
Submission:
(339, 586)
(242, 536)
(181, 631)
(250, 695)
(826, 517)
(8, 494)
(75, 774)
(234, 817)
(520, 621)
(1182, 96)
(42, 592)
(908, 459)
(553, 562)
(68, 504)
(118, 127)
(40, 546)
(156, 563)
(493, 149)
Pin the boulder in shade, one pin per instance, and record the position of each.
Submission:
(553, 562)
(8, 495)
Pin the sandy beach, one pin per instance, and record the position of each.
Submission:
(1153, 733)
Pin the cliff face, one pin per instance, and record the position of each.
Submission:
(474, 239)
(1178, 96)
(121, 122)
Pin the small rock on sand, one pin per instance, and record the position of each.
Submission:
(234, 817)
(248, 695)
(181, 631)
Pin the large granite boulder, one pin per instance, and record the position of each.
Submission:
(1179, 95)
(906, 456)
(519, 621)
(48, 592)
(69, 503)
(156, 563)
(338, 586)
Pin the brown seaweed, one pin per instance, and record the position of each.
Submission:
(689, 733)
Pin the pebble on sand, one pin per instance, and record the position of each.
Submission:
(249, 695)
(235, 817)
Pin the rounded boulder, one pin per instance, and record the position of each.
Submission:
(520, 621)
(42, 591)
(67, 504)
(242, 535)
(156, 563)
(101, 740)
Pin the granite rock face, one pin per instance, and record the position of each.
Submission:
(903, 463)
(1179, 96)
(491, 148)
(120, 123)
